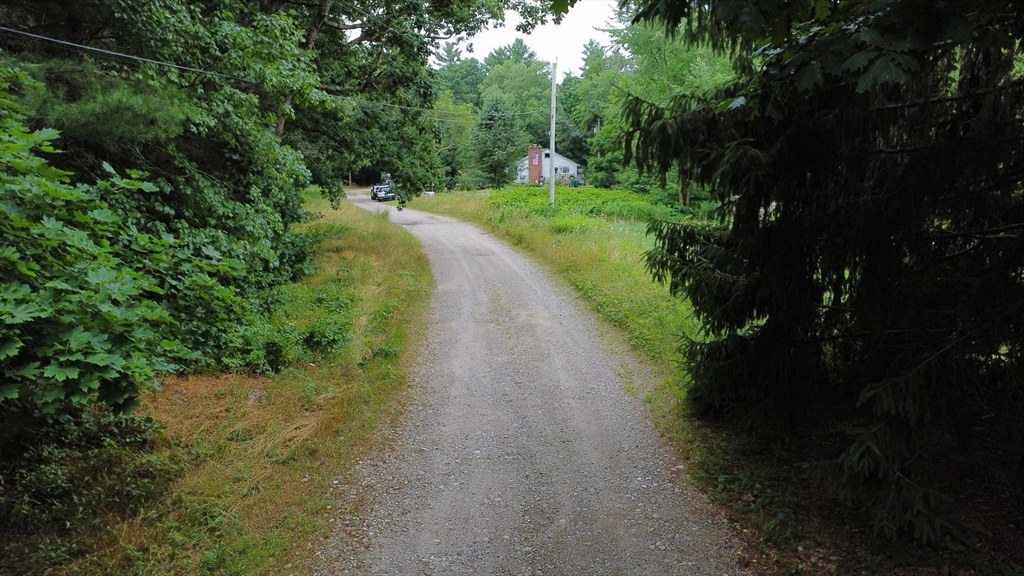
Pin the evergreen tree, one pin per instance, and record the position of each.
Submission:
(453, 126)
(499, 142)
(517, 52)
(526, 87)
(570, 139)
(460, 76)
(870, 254)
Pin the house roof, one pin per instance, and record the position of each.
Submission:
(558, 158)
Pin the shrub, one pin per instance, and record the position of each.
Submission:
(64, 471)
(78, 323)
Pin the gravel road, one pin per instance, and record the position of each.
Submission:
(522, 452)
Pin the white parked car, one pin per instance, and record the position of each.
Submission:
(385, 191)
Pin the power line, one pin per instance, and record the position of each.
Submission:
(118, 54)
(433, 111)
(110, 53)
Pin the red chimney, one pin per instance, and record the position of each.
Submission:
(535, 160)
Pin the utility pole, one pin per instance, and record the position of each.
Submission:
(554, 75)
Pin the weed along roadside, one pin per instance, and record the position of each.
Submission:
(248, 461)
(790, 520)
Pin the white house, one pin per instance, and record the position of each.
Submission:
(535, 167)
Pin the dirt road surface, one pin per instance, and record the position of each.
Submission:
(522, 452)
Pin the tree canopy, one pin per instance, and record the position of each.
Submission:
(460, 76)
(640, 60)
(516, 52)
(190, 130)
(527, 87)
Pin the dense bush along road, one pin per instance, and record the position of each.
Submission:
(522, 452)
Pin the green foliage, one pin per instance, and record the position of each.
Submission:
(604, 168)
(305, 323)
(868, 256)
(658, 70)
(454, 126)
(576, 208)
(525, 88)
(65, 472)
(73, 467)
(588, 99)
(79, 324)
(498, 142)
(587, 110)
(667, 67)
(460, 77)
(216, 213)
(329, 329)
(471, 178)
(570, 224)
(352, 136)
(216, 487)
(516, 52)
(119, 113)
(531, 201)
(109, 276)
(379, 73)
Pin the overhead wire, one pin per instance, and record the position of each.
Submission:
(439, 114)
(111, 53)
(435, 111)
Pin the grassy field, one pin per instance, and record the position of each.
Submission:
(254, 457)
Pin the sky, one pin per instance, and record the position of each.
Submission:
(564, 41)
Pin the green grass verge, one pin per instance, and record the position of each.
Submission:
(595, 239)
(254, 456)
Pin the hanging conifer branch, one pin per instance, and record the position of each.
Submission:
(869, 252)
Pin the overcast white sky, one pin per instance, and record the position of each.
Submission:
(564, 41)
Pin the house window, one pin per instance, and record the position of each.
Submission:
(547, 154)
(565, 169)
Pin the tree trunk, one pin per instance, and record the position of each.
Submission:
(311, 36)
(684, 192)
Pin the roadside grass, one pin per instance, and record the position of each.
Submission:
(256, 455)
(597, 245)
(600, 255)
(790, 522)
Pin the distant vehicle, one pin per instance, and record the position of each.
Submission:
(385, 191)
